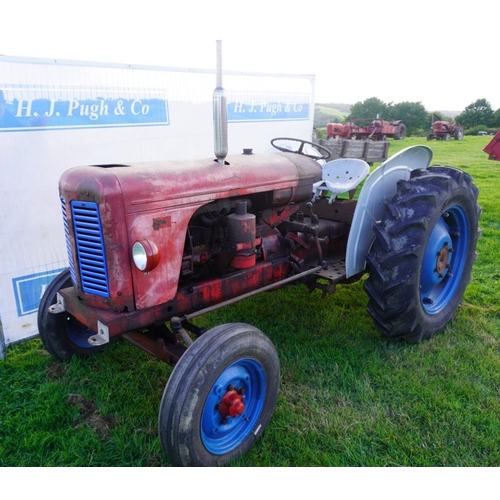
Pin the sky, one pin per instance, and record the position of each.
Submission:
(439, 53)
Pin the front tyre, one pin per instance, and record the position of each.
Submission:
(219, 397)
(421, 260)
(62, 335)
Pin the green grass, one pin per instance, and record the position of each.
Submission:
(347, 398)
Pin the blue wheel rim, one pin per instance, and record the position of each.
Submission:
(219, 435)
(78, 333)
(440, 280)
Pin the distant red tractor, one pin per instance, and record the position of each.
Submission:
(444, 131)
(493, 148)
(377, 130)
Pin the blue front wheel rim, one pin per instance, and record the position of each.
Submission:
(220, 434)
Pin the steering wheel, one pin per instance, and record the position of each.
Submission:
(322, 152)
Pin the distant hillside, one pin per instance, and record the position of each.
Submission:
(330, 113)
(341, 107)
(336, 112)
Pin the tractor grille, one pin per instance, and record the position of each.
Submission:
(68, 241)
(90, 248)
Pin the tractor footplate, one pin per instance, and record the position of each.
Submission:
(334, 273)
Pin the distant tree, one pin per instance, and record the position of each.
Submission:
(477, 113)
(369, 109)
(412, 114)
(495, 121)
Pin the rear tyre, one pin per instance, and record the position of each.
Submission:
(400, 132)
(421, 260)
(219, 397)
(62, 335)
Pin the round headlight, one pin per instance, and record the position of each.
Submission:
(145, 255)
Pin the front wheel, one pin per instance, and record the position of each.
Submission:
(421, 260)
(219, 397)
(62, 335)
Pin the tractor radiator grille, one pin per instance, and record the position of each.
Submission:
(90, 248)
(68, 241)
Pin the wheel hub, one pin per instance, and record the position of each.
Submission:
(442, 261)
(437, 258)
(231, 404)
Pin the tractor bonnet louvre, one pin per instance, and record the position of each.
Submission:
(90, 248)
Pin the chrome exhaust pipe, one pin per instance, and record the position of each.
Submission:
(220, 112)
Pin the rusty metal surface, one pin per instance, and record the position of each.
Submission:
(155, 201)
(156, 346)
(272, 286)
(188, 299)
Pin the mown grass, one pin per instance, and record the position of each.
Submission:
(347, 398)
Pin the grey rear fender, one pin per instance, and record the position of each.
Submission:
(379, 186)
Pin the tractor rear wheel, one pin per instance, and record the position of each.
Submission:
(400, 132)
(421, 260)
(219, 397)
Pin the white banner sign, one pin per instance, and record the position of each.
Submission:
(58, 114)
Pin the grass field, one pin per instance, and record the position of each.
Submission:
(347, 398)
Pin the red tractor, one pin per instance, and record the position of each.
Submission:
(444, 131)
(152, 246)
(377, 130)
(493, 147)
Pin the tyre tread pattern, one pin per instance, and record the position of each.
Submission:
(178, 415)
(400, 238)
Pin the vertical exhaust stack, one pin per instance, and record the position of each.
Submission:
(220, 112)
